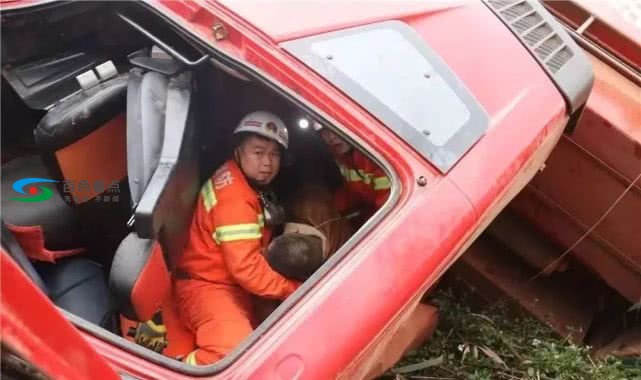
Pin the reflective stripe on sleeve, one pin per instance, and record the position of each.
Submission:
(209, 197)
(237, 232)
(382, 183)
(352, 175)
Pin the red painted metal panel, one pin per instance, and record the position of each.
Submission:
(586, 173)
(586, 189)
(623, 16)
(594, 252)
(611, 127)
(515, 92)
(349, 307)
(126, 362)
(616, 27)
(305, 18)
(15, 4)
(33, 327)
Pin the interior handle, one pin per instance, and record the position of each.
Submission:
(168, 49)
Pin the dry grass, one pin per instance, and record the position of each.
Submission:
(479, 341)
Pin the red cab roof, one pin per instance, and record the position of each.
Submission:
(285, 20)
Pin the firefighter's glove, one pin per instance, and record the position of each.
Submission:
(151, 334)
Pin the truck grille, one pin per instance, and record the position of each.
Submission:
(532, 28)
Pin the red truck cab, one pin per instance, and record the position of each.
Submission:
(459, 103)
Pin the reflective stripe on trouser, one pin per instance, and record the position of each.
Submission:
(191, 358)
(219, 315)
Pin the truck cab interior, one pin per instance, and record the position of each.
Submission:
(126, 116)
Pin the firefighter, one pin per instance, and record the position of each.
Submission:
(223, 262)
(366, 186)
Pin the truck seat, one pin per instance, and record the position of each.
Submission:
(79, 286)
(85, 136)
(47, 229)
(79, 143)
(167, 175)
(139, 278)
(75, 284)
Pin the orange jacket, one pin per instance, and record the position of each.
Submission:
(227, 236)
(366, 184)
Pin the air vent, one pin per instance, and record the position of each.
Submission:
(498, 4)
(527, 23)
(516, 11)
(551, 46)
(559, 59)
(538, 34)
(548, 46)
(522, 17)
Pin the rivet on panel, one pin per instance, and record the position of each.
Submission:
(219, 31)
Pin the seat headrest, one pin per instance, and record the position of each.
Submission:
(80, 114)
(139, 278)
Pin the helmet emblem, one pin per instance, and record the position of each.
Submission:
(270, 126)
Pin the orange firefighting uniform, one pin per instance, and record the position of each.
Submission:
(366, 186)
(223, 265)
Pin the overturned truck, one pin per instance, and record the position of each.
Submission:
(568, 247)
(114, 114)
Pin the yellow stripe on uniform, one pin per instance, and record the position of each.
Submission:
(382, 183)
(237, 232)
(261, 220)
(209, 197)
(352, 175)
(191, 358)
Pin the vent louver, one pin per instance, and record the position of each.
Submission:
(550, 45)
(526, 21)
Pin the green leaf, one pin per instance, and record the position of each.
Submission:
(492, 355)
(485, 318)
(419, 366)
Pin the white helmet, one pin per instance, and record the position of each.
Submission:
(265, 124)
(317, 126)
